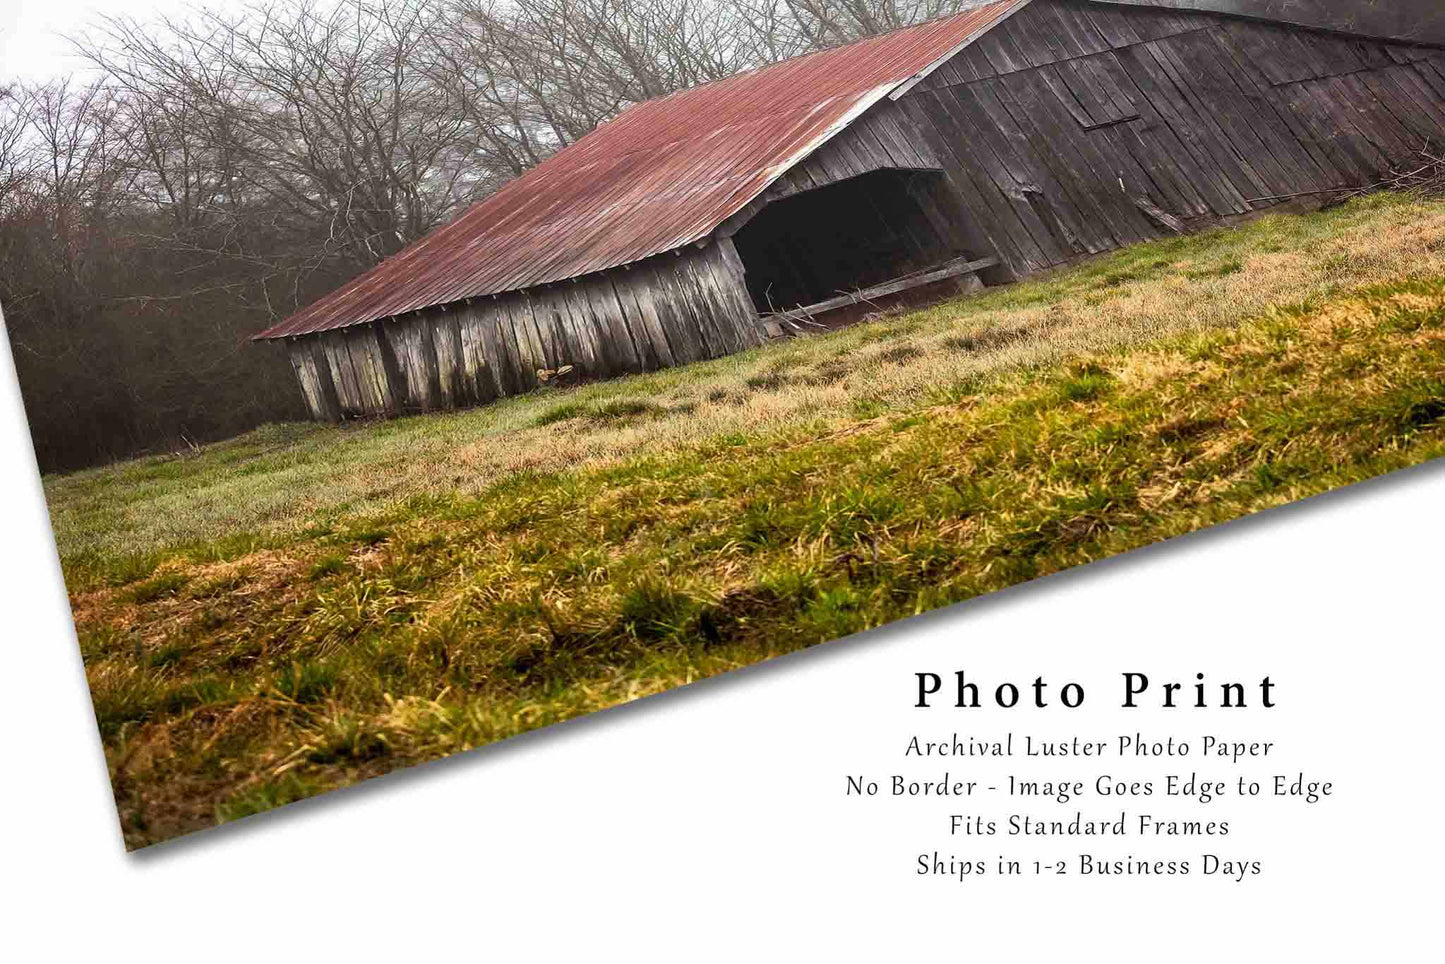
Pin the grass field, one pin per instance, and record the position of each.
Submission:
(308, 606)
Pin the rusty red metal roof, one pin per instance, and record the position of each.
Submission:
(662, 175)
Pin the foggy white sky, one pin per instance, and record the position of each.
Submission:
(30, 47)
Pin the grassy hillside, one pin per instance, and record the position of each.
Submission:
(309, 606)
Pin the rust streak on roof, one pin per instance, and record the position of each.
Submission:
(662, 175)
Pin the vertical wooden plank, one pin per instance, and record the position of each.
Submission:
(1283, 100)
(607, 309)
(551, 303)
(509, 365)
(304, 367)
(1113, 24)
(479, 350)
(676, 320)
(1039, 37)
(733, 275)
(343, 372)
(1379, 125)
(1198, 118)
(730, 313)
(1001, 49)
(598, 358)
(331, 401)
(550, 318)
(633, 291)
(896, 133)
(531, 355)
(446, 339)
(366, 382)
(549, 330)
(1074, 19)
(604, 360)
(946, 75)
(963, 116)
(682, 281)
(1209, 94)
(1432, 76)
(370, 341)
(1160, 157)
(553, 346)
(1429, 107)
(398, 336)
(1336, 118)
(1253, 103)
(1414, 127)
(1274, 52)
(476, 352)
(427, 328)
(421, 390)
(391, 366)
(1171, 121)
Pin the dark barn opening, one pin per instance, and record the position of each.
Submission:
(849, 235)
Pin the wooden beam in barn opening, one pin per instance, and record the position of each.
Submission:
(956, 269)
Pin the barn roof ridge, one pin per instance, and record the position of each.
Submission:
(749, 71)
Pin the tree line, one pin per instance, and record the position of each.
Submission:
(208, 175)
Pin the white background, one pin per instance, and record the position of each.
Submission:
(711, 821)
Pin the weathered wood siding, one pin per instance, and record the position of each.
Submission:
(665, 311)
(1055, 123)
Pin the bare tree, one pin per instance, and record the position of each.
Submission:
(321, 113)
(16, 162)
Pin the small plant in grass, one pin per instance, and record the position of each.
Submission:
(347, 738)
(652, 609)
(769, 381)
(132, 697)
(1085, 382)
(562, 413)
(165, 584)
(268, 796)
(602, 413)
(166, 655)
(305, 682)
(623, 408)
(1223, 269)
(868, 408)
(328, 566)
(367, 536)
(125, 569)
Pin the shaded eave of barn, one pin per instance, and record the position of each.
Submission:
(571, 263)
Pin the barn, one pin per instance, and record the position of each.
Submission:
(975, 149)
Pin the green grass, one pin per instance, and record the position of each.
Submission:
(233, 675)
(117, 524)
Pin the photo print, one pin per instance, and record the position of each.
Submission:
(408, 376)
